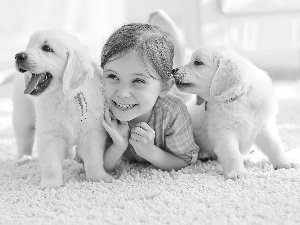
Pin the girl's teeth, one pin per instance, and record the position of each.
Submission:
(124, 106)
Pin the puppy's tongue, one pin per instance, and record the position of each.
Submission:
(32, 83)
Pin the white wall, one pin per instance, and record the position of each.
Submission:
(270, 40)
(267, 32)
(183, 12)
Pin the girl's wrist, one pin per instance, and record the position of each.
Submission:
(151, 154)
(119, 148)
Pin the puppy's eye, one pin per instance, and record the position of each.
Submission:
(47, 48)
(198, 63)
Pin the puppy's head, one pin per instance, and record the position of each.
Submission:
(53, 60)
(213, 73)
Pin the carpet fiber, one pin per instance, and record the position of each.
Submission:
(141, 194)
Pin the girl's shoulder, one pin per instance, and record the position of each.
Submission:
(171, 104)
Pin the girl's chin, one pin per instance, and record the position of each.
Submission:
(122, 116)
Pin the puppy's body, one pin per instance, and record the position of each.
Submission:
(199, 118)
(240, 108)
(68, 102)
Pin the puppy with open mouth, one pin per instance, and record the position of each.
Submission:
(239, 108)
(62, 104)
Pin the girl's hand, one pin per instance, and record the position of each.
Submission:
(142, 139)
(117, 130)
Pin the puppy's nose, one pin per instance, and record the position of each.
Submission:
(174, 71)
(178, 76)
(20, 57)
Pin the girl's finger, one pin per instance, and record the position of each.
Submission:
(135, 136)
(132, 141)
(106, 126)
(144, 126)
(107, 115)
(112, 115)
(140, 131)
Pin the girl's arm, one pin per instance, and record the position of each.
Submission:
(112, 156)
(165, 160)
(119, 133)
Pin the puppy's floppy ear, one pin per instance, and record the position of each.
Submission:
(78, 69)
(227, 82)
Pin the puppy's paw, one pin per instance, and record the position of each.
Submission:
(107, 179)
(101, 176)
(234, 175)
(50, 183)
(203, 156)
(24, 159)
(287, 166)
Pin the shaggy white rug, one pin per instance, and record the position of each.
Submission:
(141, 194)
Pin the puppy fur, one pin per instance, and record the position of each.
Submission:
(64, 108)
(239, 110)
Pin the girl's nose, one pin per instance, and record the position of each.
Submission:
(123, 92)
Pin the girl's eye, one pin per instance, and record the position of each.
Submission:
(139, 81)
(198, 63)
(47, 48)
(112, 76)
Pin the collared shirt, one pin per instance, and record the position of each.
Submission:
(171, 122)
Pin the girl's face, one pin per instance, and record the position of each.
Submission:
(130, 90)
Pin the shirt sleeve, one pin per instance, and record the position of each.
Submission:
(179, 136)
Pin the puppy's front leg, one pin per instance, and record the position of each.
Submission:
(51, 152)
(269, 143)
(226, 147)
(91, 149)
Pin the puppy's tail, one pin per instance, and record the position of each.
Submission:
(7, 76)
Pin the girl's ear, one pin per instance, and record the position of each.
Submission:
(167, 85)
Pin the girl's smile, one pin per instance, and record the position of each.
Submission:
(123, 107)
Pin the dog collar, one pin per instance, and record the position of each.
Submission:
(227, 101)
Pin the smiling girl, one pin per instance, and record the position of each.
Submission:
(146, 122)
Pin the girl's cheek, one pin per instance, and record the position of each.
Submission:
(108, 92)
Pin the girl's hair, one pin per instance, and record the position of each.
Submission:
(150, 42)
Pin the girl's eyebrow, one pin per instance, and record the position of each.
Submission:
(144, 75)
(109, 71)
(134, 74)
(141, 74)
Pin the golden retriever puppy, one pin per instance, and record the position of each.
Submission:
(239, 110)
(62, 104)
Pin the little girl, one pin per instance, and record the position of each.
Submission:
(146, 122)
